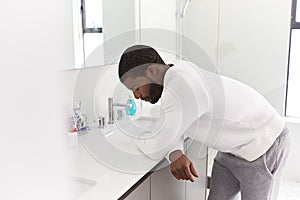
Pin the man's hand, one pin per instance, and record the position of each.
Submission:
(181, 167)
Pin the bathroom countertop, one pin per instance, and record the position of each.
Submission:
(104, 181)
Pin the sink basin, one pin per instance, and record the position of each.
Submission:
(118, 149)
(79, 186)
(136, 127)
(122, 136)
(129, 131)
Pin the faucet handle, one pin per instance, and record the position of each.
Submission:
(101, 122)
(120, 114)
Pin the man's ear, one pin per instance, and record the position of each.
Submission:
(151, 70)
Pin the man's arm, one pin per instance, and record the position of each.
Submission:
(180, 107)
(181, 167)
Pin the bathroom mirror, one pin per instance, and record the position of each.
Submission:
(96, 21)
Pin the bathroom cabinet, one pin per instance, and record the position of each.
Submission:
(161, 184)
(141, 192)
(165, 186)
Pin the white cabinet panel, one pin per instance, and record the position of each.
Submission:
(164, 186)
(141, 192)
(197, 153)
(161, 185)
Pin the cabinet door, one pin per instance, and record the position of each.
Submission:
(141, 192)
(166, 187)
(162, 185)
(197, 153)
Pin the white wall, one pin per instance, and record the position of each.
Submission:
(156, 14)
(36, 34)
(36, 41)
(93, 86)
(253, 45)
(200, 24)
(158, 25)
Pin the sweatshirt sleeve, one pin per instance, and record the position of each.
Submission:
(179, 145)
(180, 107)
(166, 132)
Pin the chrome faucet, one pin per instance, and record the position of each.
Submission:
(111, 106)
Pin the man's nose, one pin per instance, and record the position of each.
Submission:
(136, 94)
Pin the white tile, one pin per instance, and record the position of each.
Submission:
(289, 190)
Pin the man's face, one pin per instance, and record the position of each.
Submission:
(144, 88)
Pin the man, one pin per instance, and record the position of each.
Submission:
(217, 111)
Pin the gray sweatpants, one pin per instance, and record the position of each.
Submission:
(233, 177)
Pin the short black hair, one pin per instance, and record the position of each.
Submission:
(136, 59)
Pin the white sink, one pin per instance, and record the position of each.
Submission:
(115, 148)
(124, 133)
(129, 131)
(79, 186)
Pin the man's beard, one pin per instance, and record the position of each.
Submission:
(155, 92)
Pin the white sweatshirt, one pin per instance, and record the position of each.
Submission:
(214, 110)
